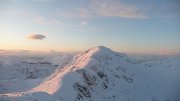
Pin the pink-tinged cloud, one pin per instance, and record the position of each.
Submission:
(105, 8)
(37, 37)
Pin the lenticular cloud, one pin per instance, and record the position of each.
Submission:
(37, 37)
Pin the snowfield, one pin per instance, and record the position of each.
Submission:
(98, 74)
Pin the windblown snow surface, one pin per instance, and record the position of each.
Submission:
(98, 74)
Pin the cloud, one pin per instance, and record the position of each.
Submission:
(35, 18)
(106, 8)
(42, 20)
(36, 37)
(41, 0)
(84, 23)
(115, 9)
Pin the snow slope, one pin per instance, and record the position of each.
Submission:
(100, 74)
(21, 73)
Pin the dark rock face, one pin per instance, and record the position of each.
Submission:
(32, 75)
(90, 80)
(102, 76)
(82, 91)
(104, 85)
(128, 79)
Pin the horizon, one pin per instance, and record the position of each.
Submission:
(48, 52)
(133, 27)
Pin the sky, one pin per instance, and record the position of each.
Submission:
(131, 26)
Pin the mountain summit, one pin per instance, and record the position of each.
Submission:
(101, 50)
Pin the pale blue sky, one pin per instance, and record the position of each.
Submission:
(138, 26)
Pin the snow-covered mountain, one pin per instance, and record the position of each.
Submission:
(21, 73)
(100, 74)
